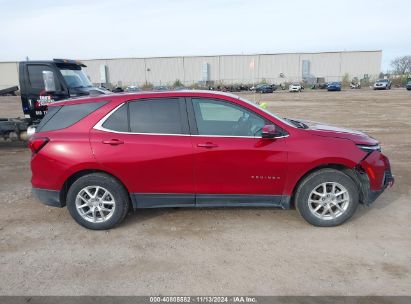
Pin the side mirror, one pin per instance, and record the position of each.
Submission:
(268, 131)
(48, 79)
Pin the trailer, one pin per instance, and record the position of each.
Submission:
(41, 83)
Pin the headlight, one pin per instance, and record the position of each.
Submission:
(369, 149)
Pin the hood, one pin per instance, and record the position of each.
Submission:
(320, 129)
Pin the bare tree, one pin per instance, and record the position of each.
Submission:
(401, 65)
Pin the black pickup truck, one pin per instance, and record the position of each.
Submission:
(42, 82)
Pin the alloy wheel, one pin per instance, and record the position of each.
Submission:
(329, 200)
(95, 204)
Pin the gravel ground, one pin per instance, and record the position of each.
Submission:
(219, 251)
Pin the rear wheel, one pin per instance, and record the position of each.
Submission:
(97, 201)
(327, 198)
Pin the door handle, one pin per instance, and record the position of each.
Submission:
(113, 142)
(207, 145)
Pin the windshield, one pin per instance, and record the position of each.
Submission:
(75, 78)
(287, 122)
(383, 80)
(334, 83)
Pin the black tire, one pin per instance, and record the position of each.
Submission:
(311, 182)
(119, 193)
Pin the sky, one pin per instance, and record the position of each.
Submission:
(80, 29)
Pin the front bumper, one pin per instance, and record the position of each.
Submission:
(48, 197)
(369, 196)
(375, 175)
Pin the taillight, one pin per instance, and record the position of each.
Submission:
(37, 143)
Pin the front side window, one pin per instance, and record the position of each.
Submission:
(218, 117)
(160, 116)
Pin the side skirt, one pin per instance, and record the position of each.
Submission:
(156, 200)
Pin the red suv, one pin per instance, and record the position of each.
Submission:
(100, 155)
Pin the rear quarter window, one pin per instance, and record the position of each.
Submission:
(118, 121)
(60, 117)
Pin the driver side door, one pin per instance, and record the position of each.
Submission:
(233, 165)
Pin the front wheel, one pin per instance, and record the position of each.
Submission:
(327, 198)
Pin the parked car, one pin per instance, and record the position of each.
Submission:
(295, 87)
(323, 86)
(100, 155)
(265, 88)
(160, 88)
(133, 89)
(382, 84)
(117, 90)
(408, 85)
(334, 86)
(180, 88)
(355, 85)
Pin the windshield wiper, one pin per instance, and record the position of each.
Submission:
(298, 124)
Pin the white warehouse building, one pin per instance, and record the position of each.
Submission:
(224, 69)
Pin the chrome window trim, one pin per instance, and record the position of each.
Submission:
(99, 126)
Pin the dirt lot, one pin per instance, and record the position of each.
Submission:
(219, 251)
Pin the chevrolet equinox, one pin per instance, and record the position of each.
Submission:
(101, 155)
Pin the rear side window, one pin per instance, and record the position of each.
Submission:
(118, 121)
(50, 113)
(66, 116)
(161, 116)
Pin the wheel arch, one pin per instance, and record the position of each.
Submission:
(75, 176)
(353, 173)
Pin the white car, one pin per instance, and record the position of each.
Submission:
(382, 84)
(295, 87)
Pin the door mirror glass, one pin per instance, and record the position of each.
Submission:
(268, 131)
(49, 84)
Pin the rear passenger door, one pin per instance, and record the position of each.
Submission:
(146, 143)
